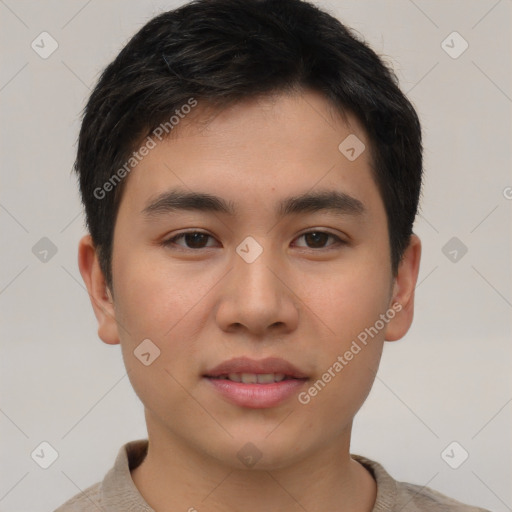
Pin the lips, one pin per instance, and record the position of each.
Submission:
(254, 378)
(243, 369)
(256, 384)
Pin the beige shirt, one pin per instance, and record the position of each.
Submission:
(117, 492)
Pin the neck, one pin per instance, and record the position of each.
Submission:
(174, 476)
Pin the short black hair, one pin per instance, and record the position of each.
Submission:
(224, 51)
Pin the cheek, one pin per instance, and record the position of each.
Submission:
(351, 299)
(150, 306)
(350, 304)
(153, 298)
(161, 308)
(349, 351)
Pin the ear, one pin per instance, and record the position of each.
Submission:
(101, 297)
(403, 291)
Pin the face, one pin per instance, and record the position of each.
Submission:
(299, 280)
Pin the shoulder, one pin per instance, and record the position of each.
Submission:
(85, 501)
(393, 495)
(116, 492)
(417, 498)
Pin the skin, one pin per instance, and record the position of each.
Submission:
(302, 302)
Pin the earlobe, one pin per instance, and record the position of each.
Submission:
(403, 291)
(101, 297)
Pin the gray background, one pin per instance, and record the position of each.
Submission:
(447, 380)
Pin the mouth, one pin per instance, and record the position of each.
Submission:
(256, 384)
(244, 369)
(254, 378)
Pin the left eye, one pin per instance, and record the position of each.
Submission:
(197, 239)
(318, 237)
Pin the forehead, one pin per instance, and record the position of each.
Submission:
(258, 151)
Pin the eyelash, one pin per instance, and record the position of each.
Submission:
(172, 241)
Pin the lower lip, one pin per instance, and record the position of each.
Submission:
(257, 396)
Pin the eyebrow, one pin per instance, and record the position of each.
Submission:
(332, 201)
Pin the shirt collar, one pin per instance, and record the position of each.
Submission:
(119, 490)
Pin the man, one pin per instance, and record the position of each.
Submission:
(251, 174)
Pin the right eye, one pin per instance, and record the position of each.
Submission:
(194, 240)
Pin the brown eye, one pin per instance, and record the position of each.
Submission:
(193, 240)
(318, 239)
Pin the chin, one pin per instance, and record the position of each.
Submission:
(262, 451)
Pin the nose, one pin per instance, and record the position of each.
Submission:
(257, 298)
